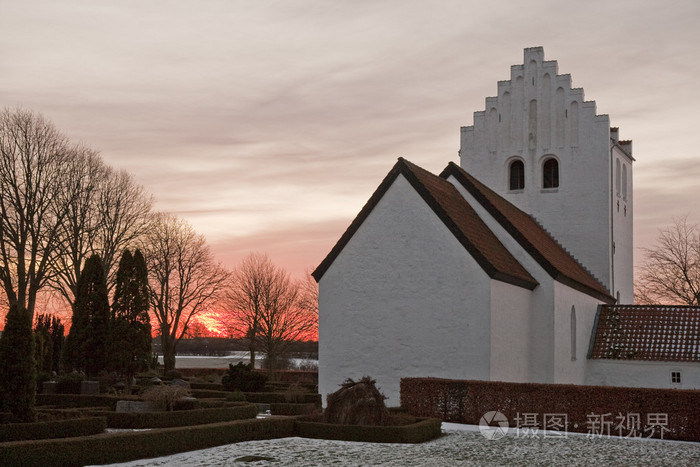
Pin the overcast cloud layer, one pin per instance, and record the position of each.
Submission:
(268, 124)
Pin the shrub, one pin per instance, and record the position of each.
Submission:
(235, 396)
(124, 447)
(172, 374)
(80, 400)
(69, 383)
(53, 429)
(357, 403)
(165, 397)
(422, 430)
(468, 401)
(241, 377)
(137, 420)
(17, 366)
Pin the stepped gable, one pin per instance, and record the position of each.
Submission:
(647, 332)
(457, 215)
(532, 237)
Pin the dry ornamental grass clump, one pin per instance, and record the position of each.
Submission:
(357, 403)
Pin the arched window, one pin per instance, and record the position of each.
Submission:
(517, 175)
(617, 177)
(624, 182)
(573, 333)
(550, 174)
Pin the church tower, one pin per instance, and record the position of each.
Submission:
(541, 146)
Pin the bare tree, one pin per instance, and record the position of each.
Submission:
(124, 209)
(108, 213)
(264, 304)
(77, 231)
(35, 183)
(184, 280)
(671, 271)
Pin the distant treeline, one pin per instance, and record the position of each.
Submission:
(220, 346)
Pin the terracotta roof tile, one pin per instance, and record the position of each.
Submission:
(457, 215)
(532, 237)
(640, 332)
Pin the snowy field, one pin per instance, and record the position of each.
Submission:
(461, 445)
(201, 361)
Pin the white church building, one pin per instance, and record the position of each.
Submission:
(512, 266)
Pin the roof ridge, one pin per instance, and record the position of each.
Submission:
(530, 234)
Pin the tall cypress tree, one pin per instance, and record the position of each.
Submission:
(131, 324)
(17, 366)
(86, 345)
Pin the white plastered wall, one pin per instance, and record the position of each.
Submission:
(536, 115)
(510, 324)
(622, 214)
(570, 367)
(402, 299)
(538, 334)
(637, 373)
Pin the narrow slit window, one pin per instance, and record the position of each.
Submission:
(517, 175)
(550, 174)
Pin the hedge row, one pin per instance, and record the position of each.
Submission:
(283, 398)
(79, 400)
(137, 420)
(53, 429)
(423, 430)
(292, 409)
(208, 393)
(123, 447)
(604, 410)
(207, 386)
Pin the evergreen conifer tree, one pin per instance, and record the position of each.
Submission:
(131, 324)
(86, 345)
(17, 366)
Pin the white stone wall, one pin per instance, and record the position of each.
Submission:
(537, 334)
(511, 313)
(637, 373)
(571, 341)
(403, 299)
(622, 213)
(537, 115)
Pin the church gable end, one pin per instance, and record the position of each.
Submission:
(455, 213)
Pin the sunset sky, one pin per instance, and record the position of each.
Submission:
(268, 124)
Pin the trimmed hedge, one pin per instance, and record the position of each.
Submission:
(53, 429)
(208, 394)
(292, 409)
(124, 447)
(207, 386)
(137, 420)
(423, 430)
(79, 400)
(283, 398)
(584, 406)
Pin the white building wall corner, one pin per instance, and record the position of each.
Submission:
(574, 318)
(511, 311)
(403, 299)
(538, 329)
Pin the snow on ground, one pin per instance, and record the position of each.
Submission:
(460, 445)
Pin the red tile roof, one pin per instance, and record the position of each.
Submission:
(532, 237)
(640, 332)
(457, 215)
